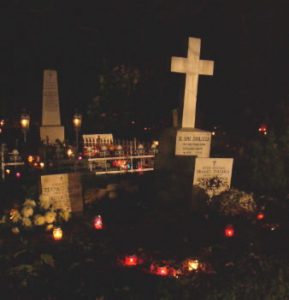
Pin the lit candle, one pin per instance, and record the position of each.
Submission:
(98, 224)
(57, 233)
(229, 231)
(130, 260)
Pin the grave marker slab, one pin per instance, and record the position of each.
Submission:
(64, 191)
(213, 174)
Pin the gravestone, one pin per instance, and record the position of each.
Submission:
(51, 129)
(213, 174)
(184, 152)
(64, 191)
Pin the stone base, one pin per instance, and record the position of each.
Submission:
(193, 142)
(166, 160)
(49, 134)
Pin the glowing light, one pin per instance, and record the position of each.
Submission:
(79, 157)
(30, 158)
(18, 174)
(25, 121)
(41, 165)
(8, 171)
(69, 152)
(57, 234)
(213, 133)
(260, 216)
(97, 223)
(193, 265)
(162, 271)
(77, 119)
(229, 231)
(2, 122)
(130, 260)
(263, 129)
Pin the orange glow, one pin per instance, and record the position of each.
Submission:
(57, 234)
(97, 223)
(229, 231)
(130, 260)
(260, 216)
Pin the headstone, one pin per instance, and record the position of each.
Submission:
(213, 174)
(64, 191)
(184, 152)
(192, 66)
(51, 129)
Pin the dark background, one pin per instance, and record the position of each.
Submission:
(248, 40)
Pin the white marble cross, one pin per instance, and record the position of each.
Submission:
(192, 66)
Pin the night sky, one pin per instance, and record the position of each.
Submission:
(248, 40)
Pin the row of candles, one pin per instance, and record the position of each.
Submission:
(164, 268)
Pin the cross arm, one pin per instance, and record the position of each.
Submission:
(178, 64)
(206, 67)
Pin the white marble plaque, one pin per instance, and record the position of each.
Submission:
(193, 142)
(64, 191)
(213, 174)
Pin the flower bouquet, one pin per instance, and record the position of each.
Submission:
(34, 214)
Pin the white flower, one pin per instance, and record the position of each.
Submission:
(29, 202)
(15, 215)
(27, 222)
(65, 215)
(27, 211)
(15, 230)
(49, 227)
(44, 201)
(50, 217)
(39, 220)
(3, 219)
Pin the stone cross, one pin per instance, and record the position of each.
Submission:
(192, 66)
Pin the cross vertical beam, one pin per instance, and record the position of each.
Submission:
(192, 66)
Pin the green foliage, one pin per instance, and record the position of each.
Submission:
(267, 164)
(234, 203)
(117, 89)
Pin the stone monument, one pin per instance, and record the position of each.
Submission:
(51, 129)
(184, 153)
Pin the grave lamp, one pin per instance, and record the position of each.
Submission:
(57, 234)
(25, 124)
(193, 264)
(260, 216)
(162, 271)
(229, 231)
(77, 121)
(97, 223)
(130, 260)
